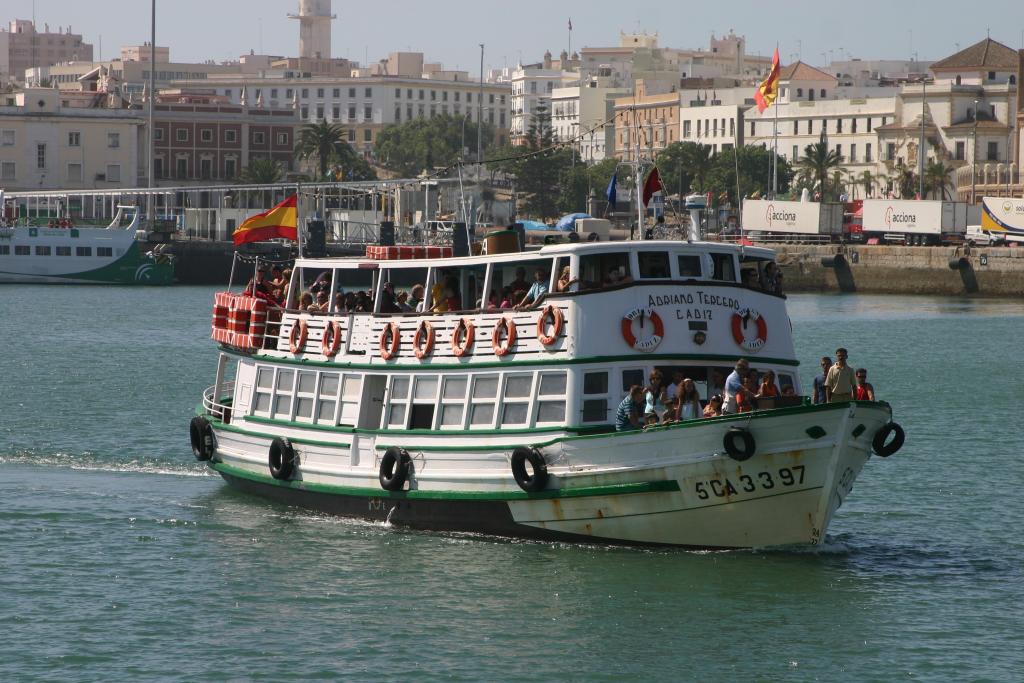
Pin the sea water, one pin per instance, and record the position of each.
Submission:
(122, 559)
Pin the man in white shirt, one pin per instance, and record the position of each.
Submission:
(733, 383)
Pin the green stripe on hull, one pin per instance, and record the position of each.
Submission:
(131, 268)
(368, 492)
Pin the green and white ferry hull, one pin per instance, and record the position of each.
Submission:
(334, 431)
(80, 255)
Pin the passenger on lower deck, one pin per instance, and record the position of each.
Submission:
(714, 406)
(627, 417)
(689, 401)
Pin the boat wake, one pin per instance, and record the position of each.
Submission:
(92, 461)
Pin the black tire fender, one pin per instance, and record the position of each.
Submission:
(394, 469)
(281, 459)
(200, 433)
(749, 447)
(878, 443)
(527, 482)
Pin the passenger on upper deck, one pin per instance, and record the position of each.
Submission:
(566, 283)
(772, 279)
(537, 291)
(520, 281)
(403, 302)
(750, 279)
(416, 297)
(388, 303)
(616, 278)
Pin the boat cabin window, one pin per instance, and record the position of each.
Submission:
(631, 376)
(551, 398)
(484, 397)
(404, 279)
(653, 265)
(515, 279)
(306, 396)
(604, 270)
(595, 397)
(723, 267)
(752, 273)
(452, 400)
(689, 266)
(561, 263)
(515, 409)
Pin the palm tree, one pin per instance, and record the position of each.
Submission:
(321, 141)
(261, 172)
(699, 160)
(936, 178)
(906, 181)
(868, 181)
(817, 162)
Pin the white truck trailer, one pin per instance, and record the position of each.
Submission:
(1003, 218)
(914, 222)
(809, 221)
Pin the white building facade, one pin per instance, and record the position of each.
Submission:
(46, 145)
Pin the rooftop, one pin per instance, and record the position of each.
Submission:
(986, 54)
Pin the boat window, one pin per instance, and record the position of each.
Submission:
(689, 266)
(452, 399)
(561, 264)
(516, 405)
(327, 401)
(551, 397)
(595, 397)
(723, 267)
(351, 395)
(515, 279)
(305, 396)
(786, 384)
(653, 264)
(404, 279)
(283, 395)
(398, 401)
(264, 391)
(603, 270)
(485, 393)
(419, 409)
(630, 377)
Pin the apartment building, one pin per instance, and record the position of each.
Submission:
(586, 113)
(22, 47)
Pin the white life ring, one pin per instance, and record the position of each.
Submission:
(645, 343)
(739, 330)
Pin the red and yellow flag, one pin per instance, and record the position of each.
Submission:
(280, 221)
(769, 88)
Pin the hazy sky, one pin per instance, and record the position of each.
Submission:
(450, 30)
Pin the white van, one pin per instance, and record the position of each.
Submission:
(976, 236)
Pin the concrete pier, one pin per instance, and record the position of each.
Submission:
(955, 271)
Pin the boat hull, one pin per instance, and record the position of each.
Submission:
(672, 486)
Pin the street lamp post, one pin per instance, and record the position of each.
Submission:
(152, 95)
(924, 153)
(974, 155)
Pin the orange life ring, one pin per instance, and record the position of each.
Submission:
(557, 321)
(502, 348)
(650, 342)
(331, 341)
(739, 326)
(388, 350)
(463, 347)
(423, 342)
(297, 337)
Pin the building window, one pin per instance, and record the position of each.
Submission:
(751, 129)
(398, 93)
(206, 135)
(853, 152)
(352, 113)
(230, 136)
(230, 168)
(75, 173)
(180, 134)
(810, 127)
(993, 151)
(41, 155)
(368, 92)
(158, 134)
(867, 152)
(433, 95)
(398, 114)
(823, 92)
(282, 138)
(839, 125)
(114, 140)
(320, 112)
(320, 93)
(796, 153)
(74, 139)
(960, 149)
(305, 93)
(352, 93)
(181, 167)
(258, 137)
(853, 125)
(890, 151)
(351, 135)
(205, 168)
(869, 124)
(304, 112)
(113, 173)
(367, 135)
(367, 113)
(799, 92)
(6, 138)
(991, 75)
(273, 93)
(158, 167)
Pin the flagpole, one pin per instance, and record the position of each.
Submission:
(775, 133)
(298, 216)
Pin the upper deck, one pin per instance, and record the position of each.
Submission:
(656, 299)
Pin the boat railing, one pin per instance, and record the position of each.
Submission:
(219, 407)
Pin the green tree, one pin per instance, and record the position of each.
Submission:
(538, 177)
(699, 159)
(348, 165)
(420, 145)
(936, 179)
(815, 166)
(868, 181)
(906, 181)
(321, 141)
(755, 165)
(261, 172)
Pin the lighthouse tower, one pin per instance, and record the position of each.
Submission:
(314, 28)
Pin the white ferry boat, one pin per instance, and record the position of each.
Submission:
(503, 421)
(62, 252)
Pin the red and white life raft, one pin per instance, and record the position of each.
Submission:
(239, 320)
(395, 253)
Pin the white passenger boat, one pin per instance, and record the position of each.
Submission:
(63, 252)
(503, 421)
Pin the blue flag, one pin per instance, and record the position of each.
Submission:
(610, 192)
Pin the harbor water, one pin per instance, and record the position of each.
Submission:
(122, 559)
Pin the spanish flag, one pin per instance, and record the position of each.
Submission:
(280, 221)
(769, 88)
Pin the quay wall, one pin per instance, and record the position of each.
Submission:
(953, 271)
